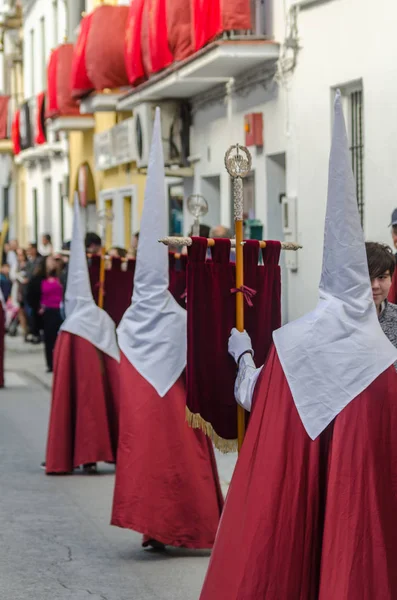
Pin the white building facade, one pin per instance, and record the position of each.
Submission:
(324, 45)
(46, 24)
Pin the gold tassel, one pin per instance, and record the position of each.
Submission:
(196, 421)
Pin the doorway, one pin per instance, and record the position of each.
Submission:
(276, 189)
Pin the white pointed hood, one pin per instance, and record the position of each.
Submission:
(152, 333)
(334, 353)
(83, 317)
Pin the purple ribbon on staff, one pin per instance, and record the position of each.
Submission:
(248, 293)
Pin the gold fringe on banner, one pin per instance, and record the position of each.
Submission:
(196, 421)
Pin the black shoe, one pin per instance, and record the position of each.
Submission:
(43, 466)
(90, 469)
(36, 340)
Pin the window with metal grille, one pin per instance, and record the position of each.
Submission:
(357, 145)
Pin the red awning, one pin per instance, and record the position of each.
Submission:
(105, 47)
(213, 17)
(40, 137)
(4, 104)
(155, 49)
(81, 83)
(133, 47)
(179, 28)
(15, 134)
(59, 90)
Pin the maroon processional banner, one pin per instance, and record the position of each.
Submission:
(211, 308)
(119, 283)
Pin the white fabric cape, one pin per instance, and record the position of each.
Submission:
(152, 333)
(334, 353)
(83, 317)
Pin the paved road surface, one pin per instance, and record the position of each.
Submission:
(55, 537)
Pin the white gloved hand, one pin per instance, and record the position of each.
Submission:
(239, 343)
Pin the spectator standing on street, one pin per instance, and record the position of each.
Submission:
(11, 257)
(93, 243)
(46, 245)
(21, 283)
(34, 320)
(45, 294)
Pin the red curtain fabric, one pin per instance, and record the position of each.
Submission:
(80, 82)
(167, 484)
(15, 134)
(311, 519)
(4, 104)
(156, 52)
(83, 425)
(212, 17)
(105, 47)
(133, 47)
(179, 27)
(52, 91)
(40, 133)
(59, 90)
(211, 372)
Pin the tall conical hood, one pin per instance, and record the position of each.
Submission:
(152, 333)
(345, 268)
(332, 354)
(83, 317)
(78, 286)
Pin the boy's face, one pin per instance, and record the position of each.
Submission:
(381, 287)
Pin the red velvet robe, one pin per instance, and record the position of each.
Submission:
(83, 424)
(311, 520)
(167, 485)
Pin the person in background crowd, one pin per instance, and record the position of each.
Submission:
(21, 283)
(204, 231)
(134, 245)
(5, 281)
(34, 319)
(93, 243)
(220, 231)
(6, 249)
(46, 245)
(45, 293)
(11, 257)
(117, 252)
(381, 266)
(393, 226)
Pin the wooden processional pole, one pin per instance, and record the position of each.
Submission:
(105, 217)
(238, 164)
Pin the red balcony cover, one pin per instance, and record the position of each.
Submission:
(15, 136)
(155, 49)
(40, 137)
(81, 83)
(59, 89)
(133, 48)
(179, 27)
(213, 17)
(4, 103)
(105, 47)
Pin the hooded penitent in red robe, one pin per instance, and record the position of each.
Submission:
(83, 426)
(84, 411)
(167, 485)
(311, 520)
(311, 512)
